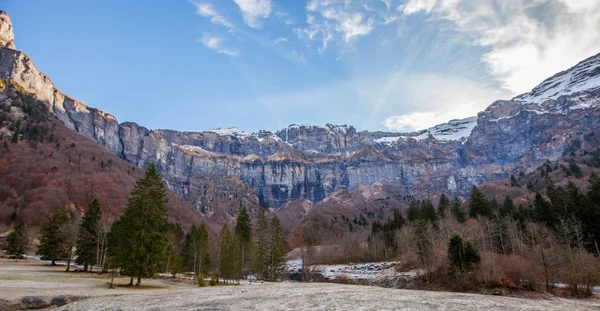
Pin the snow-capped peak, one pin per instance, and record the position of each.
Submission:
(583, 77)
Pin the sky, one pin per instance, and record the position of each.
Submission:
(389, 65)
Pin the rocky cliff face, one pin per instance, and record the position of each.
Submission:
(312, 162)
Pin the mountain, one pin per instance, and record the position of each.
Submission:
(308, 162)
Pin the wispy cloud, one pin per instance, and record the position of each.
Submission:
(207, 10)
(280, 40)
(528, 40)
(343, 21)
(254, 11)
(215, 43)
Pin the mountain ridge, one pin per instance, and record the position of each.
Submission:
(314, 161)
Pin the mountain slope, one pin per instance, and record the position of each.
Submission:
(314, 162)
(43, 164)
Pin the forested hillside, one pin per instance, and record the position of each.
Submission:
(43, 164)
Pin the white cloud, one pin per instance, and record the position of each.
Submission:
(254, 11)
(280, 40)
(528, 40)
(328, 20)
(215, 43)
(208, 11)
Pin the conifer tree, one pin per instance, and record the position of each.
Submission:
(428, 212)
(443, 208)
(461, 254)
(457, 211)
(243, 233)
(414, 212)
(277, 250)
(55, 241)
(478, 204)
(228, 255)
(262, 234)
(140, 238)
(89, 236)
(507, 209)
(17, 240)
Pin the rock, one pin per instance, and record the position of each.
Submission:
(7, 37)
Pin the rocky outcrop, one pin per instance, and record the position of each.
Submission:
(7, 37)
(312, 162)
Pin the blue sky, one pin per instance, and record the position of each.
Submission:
(397, 65)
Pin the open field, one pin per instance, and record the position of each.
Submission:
(31, 284)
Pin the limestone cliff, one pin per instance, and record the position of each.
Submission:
(313, 162)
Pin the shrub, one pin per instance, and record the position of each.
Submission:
(462, 255)
(214, 281)
(201, 281)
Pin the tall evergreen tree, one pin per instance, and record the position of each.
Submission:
(55, 241)
(457, 211)
(243, 233)
(140, 239)
(479, 204)
(443, 208)
(17, 240)
(428, 212)
(262, 237)
(277, 250)
(414, 212)
(228, 255)
(507, 209)
(88, 242)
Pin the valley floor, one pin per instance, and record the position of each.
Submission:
(31, 284)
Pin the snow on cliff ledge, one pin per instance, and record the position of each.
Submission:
(455, 130)
(585, 76)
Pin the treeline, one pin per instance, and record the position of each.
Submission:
(142, 242)
(549, 242)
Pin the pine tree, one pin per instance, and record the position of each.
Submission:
(228, 255)
(55, 241)
(89, 236)
(428, 212)
(262, 234)
(140, 239)
(277, 250)
(507, 209)
(457, 211)
(478, 204)
(414, 212)
(17, 241)
(462, 255)
(443, 208)
(243, 233)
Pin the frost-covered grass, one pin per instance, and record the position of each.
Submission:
(317, 296)
(29, 283)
